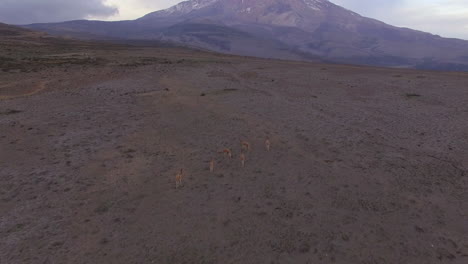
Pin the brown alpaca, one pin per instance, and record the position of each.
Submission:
(242, 159)
(179, 178)
(212, 164)
(267, 144)
(245, 145)
(227, 152)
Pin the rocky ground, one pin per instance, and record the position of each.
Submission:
(367, 165)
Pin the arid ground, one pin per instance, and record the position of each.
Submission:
(367, 165)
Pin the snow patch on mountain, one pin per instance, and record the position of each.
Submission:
(189, 6)
(316, 5)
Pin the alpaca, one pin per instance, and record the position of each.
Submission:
(227, 152)
(242, 159)
(212, 164)
(245, 145)
(179, 178)
(267, 144)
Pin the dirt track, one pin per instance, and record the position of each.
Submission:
(367, 165)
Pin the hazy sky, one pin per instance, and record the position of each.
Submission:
(448, 18)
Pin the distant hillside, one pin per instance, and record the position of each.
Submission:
(24, 50)
(8, 30)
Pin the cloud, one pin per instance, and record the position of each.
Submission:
(448, 18)
(370, 7)
(34, 11)
(131, 9)
(445, 20)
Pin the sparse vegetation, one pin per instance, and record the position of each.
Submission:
(412, 95)
(10, 112)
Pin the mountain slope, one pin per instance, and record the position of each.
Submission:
(7, 31)
(293, 29)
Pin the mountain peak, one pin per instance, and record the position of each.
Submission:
(243, 6)
(305, 29)
(303, 14)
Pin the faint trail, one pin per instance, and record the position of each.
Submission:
(40, 87)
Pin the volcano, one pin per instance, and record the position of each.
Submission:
(286, 29)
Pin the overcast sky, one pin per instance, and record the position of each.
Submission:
(448, 18)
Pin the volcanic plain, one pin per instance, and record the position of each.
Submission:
(367, 165)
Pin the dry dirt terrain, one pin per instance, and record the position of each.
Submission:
(367, 165)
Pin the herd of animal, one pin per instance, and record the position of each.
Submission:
(227, 152)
